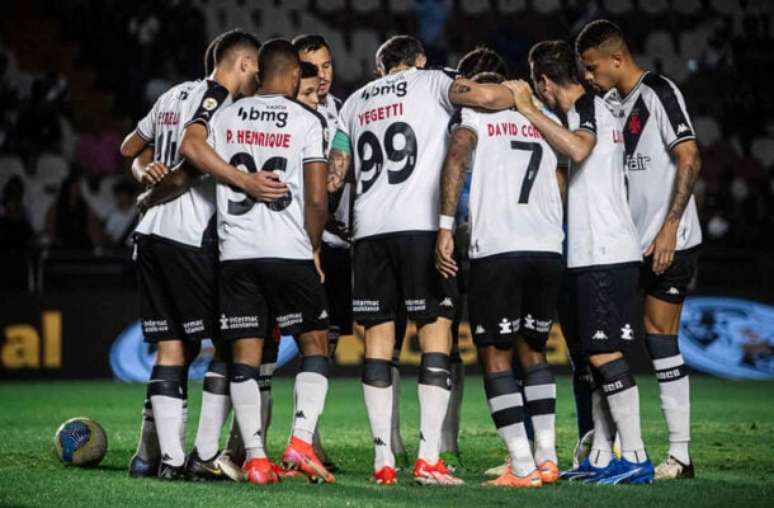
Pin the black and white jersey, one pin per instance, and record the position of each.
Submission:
(397, 128)
(600, 230)
(515, 203)
(267, 133)
(340, 200)
(186, 219)
(655, 120)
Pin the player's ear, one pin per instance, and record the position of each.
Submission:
(420, 61)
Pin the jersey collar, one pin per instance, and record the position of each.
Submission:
(634, 88)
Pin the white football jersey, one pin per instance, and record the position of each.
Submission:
(188, 219)
(515, 203)
(655, 120)
(339, 200)
(270, 133)
(600, 230)
(397, 127)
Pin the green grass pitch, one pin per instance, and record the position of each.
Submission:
(733, 435)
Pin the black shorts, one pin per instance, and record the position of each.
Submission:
(599, 308)
(337, 267)
(512, 295)
(399, 270)
(257, 293)
(178, 289)
(672, 285)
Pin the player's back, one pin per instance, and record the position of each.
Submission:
(397, 127)
(185, 219)
(655, 120)
(515, 203)
(267, 133)
(600, 226)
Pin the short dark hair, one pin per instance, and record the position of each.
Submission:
(398, 50)
(209, 55)
(481, 59)
(597, 33)
(488, 77)
(232, 40)
(308, 70)
(277, 56)
(555, 60)
(310, 42)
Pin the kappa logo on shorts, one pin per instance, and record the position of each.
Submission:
(479, 330)
(673, 291)
(446, 302)
(323, 315)
(599, 335)
(508, 326)
(627, 333)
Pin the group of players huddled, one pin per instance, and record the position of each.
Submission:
(272, 208)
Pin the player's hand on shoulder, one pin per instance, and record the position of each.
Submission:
(523, 98)
(444, 253)
(663, 247)
(154, 172)
(264, 186)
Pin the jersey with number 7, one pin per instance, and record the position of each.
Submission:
(515, 204)
(397, 127)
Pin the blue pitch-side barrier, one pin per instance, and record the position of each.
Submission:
(131, 358)
(726, 337)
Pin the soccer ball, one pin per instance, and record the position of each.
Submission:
(80, 442)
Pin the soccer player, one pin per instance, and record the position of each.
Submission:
(307, 89)
(270, 255)
(313, 49)
(176, 247)
(603, 256)
(476, 61)
(516, 265)
(397, 125)
(663, 162)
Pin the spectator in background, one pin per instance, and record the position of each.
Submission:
(15, 230)
(98, 151)
(70, 222)
(120, 221)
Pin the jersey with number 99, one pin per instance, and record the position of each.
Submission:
(397, 127)
(266, 133)
(515, 204)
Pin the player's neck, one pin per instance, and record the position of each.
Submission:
(226, 80)
(399, 68)
(629, 78)
(276, 87)
(568, 95)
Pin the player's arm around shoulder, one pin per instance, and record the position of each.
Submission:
(491, 96)
(462, 142)
(575, 144)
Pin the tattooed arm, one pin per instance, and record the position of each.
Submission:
(688, 167)
(465, 92)
(461, 145)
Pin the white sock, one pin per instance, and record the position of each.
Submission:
(674, 388)
(310, 392)
(540, 392)
(167, 402)
(506, 408)
(623, 399)
(216, 405)
(604, 431)
(434, 390)
(246, 399)
(378, 396)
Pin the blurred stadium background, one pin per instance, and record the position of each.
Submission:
(76, 75)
